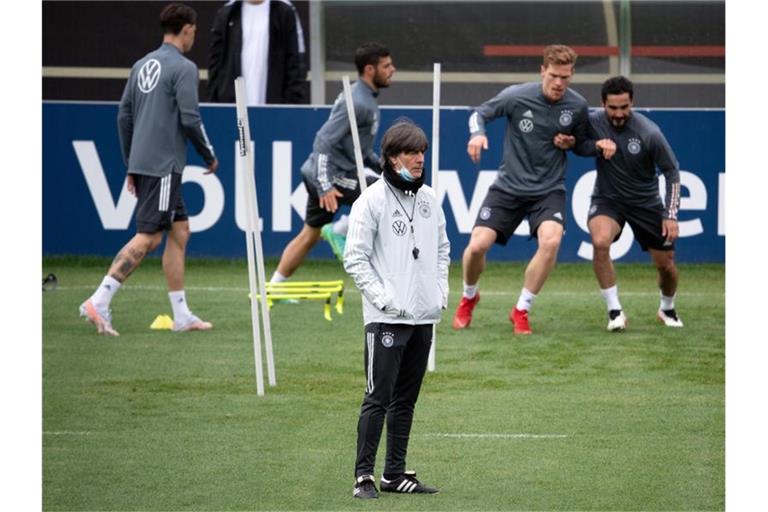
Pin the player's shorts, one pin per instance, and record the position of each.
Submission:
(646, 222)
(160, 202)
(316, 216)
(503, 212)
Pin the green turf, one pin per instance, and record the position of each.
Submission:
(570, 418)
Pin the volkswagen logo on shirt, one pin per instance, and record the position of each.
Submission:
(566, 117)
(149, 75)
(399, 227)
(526, 125)
(633, 146)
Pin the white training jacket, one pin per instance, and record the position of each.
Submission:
(397, 288)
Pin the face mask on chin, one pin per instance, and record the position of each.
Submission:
(404, 173)
(402, 178)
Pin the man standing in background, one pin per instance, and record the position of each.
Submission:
(158, 113)
(262, 41)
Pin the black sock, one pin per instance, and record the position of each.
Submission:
(392, 476)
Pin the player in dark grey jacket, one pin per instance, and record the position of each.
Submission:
(627, 191)
(330, 173)
(543, 121)
(158, 113)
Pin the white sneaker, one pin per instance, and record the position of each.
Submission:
(617, 321)
(192, 323)
(669, 318)
(101, 319)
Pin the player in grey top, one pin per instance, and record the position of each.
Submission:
(543, 121)
(531, 163)
(329, 173)
(158, 113)
(627, 191)
(332, 161)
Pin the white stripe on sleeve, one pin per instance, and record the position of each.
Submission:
(322, 172)
(474, 126)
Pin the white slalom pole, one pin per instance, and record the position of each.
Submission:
(435, 173)
(355, 135)
(253, 204)
(245, 160)
(262, 280)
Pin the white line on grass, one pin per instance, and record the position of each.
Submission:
(596, 293)
(66, 433)
(518, 435)
(238, 289)
(154, 288)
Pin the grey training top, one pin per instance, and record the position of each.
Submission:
(531, 164)
(159, 112)
(332, 161)
(630, 176)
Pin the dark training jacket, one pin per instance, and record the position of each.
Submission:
(286, 68)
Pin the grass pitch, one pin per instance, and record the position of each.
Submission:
(569, 418)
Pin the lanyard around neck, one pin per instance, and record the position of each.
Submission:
(415, 251)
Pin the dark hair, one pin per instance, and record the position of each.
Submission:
(617, 85)
(402, 137)
(174, 16)
(369, 53)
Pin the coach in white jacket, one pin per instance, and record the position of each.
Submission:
(398, 253)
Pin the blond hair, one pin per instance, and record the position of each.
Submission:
(559, 55)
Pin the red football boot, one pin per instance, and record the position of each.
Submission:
(519, 318)
(463, 316)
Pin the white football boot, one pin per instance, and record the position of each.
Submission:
(669, 318)
(617, 321)
(101, 319)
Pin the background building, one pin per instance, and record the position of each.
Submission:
(673, 50)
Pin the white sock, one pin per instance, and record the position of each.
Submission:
(611, 296)
(104, 293)
(179, 305)
(277, 277)
(525, 302)
(666, 302)
(340, 226)
(470, 290)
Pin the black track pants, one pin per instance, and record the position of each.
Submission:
(395, 361)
